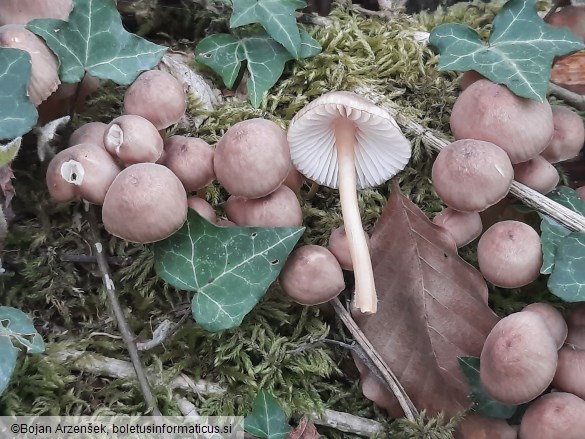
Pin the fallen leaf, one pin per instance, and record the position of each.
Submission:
(305, 430)
(432, 307)
(569, 72)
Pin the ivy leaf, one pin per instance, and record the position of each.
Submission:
(276, 16)
(519, 53)
(483, 403)
(265, 59)
(267, 419)
(17, 113)
(567, 280)
(230, 268)
(8, 151)
(551, 234)
(93, 40)
(16, 329)
(568, 197)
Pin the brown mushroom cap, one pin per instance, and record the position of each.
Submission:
(339, 246)
(133, 139)
(471, 175)
(553, 319)
(476, 426)
(491, 112)
(519, 358)
(464, 227)
(311, 275)
(203, 208)
(92, 132)
(281, 208)
(568, 137)
(252, 158)
(145, 203)
(191, 159)
(156, 96)
(44, 78)
(554, 416)
(23, 11)
(537, 174)
(509, 254)
(81, 171)
(570, 374)
(469, 78)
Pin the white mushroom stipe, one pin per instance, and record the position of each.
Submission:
(72, 172)
(99, 247)
(109, 282)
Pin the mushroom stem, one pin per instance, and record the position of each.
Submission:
(365, 290)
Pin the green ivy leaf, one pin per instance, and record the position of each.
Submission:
(17, 113)
(551, 234)
(94, 41)
(568, 197)
(276, 16)
(8, 151)
(567, 280)
(267, 419)
(16, 329)
(519, 53)
(230, 268)
(265, 59)
(483, 403)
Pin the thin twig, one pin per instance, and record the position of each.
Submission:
(383, 370)
(575, 100)
(92, 259)
(121, 321)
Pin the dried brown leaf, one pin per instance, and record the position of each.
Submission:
(305, 430)
(432, 307)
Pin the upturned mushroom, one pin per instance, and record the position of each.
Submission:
(158, 97)
(471, 175)
(554, 416)
(491, 112)
(23, 11)
(464, 227)
(311, 275)
(339, 246)
(518, 359)
(191, 159)
(537, 174)
(145, 203)
(133, 139)
(81, 171)
(252, 158)
(553, 318)
(509, 254)
(342, 140)
(568, 137)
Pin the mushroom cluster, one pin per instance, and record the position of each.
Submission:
(531, 351)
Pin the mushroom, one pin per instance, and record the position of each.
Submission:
(281, 208)
(577, 316)
(475, 426)
(537, 174)
(81, 171)
(23, 11)
(92, 132)
(133, 139)
(570, 374)
(203, 208)
(509, 254)
(311, 275)
(226, 223)
(518, 359)
(339, 246)
(252, 158)
(491, 112)
(554, 416)
(158, 97)
(145, 203)
(464, 227)
(294, 180)
(471, 175)
(568, 137)
(469, 78)
(44, 78)
(553, 319)
(343, 140)
(68, 98)
(576, 337)
(581, 192)
(571, 16)
(191, 159)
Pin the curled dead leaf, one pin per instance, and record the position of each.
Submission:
(569, 72)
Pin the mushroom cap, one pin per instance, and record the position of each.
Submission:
(156, 96)
(491, 112)
(475, 426)
(81, 171)
(553, 319)
(576, 337)
(311, 275)
(44, 78)
(576, 316)
(471, 175)
(203, 208)
(509, 254)
(518, 359)
(145, 203)
(581, 192)
(92, 132)
(280, 208)
(568, 137)
(23, 11)
(571, 16)
(339, 246)
(555, 415)
(381, 150)
(570, 376)
(469, 78)
(537, 173)
(252, 158)
(294, 180)
(133, 139)
(191, 159)
(464, 227)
